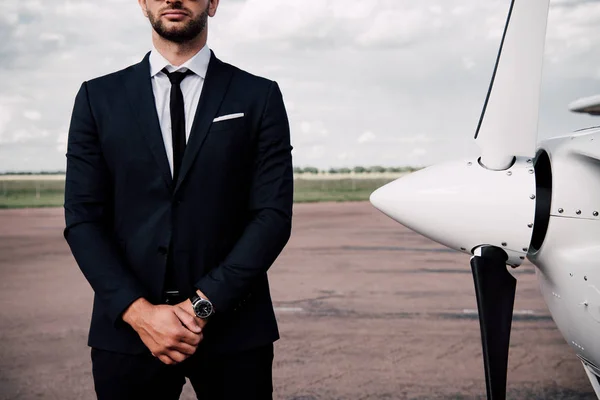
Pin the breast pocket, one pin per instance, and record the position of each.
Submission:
(226, 145)
(227, 124)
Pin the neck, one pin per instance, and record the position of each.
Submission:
(178, 53)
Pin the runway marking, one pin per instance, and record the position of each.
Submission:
(518, 315)
(289, 309)
(399, 248)
(515, 312)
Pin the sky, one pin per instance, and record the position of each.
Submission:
(365, 82)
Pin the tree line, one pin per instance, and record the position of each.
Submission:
(297, 170)
(356, 170)
(33, 173)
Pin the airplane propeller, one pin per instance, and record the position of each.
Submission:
(495, 288)
(508, 123)
(487, 207)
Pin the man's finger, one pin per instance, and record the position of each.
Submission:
(187, 320)
(171, 357)
(177, 356)
(198, 339)
(184, 335)
(184, 348)
(191, 338)
(166, 359)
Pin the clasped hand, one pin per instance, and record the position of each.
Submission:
(171, 333)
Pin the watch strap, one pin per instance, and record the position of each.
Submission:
(194, 298)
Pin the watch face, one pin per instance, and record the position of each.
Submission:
(203, 308)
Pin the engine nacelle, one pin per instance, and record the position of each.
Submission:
(567, 251)
(463, 205)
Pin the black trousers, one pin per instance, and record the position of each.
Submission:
(246, 375)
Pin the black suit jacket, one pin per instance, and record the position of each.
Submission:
(225, 220)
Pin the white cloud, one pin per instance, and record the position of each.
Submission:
(32, 134)
(32, 115)
(343, 156)
(411, 139)
(308, 133)
(366, 137)
(33, 5)
(22, 135)
(5, 117)
(316, 152)
(61, 141)
(53, 37)
(415, 72)
(399, 27)
(11, 18)
(82, 9)
(468, 63)
(337, 22)
(305, 127)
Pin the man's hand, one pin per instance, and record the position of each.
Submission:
(186, 305)
(169, 332)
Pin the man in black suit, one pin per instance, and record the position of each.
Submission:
(178, 199)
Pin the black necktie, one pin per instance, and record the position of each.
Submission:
(177, 118)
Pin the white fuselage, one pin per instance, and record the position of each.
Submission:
(568, 261)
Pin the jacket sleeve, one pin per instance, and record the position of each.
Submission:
(88, 214)
(271, 200)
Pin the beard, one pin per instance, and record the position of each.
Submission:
(180, 35)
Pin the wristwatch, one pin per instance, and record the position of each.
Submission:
(202, 307)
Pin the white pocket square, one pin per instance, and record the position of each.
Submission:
(228, 116)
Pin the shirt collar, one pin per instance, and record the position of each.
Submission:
(198, 64)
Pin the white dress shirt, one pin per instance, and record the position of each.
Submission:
(191, 88)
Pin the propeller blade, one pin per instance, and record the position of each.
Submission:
(590, 105)
(508, 123)
(495, 289)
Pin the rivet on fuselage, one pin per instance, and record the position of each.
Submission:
(532, 196)
(578, 212)
(509, 173)
(504, 244)
(530, 225)
(585, 278)
(595, 213)
(578, 346)
(530, 171)
(560, 210)
(529, 161)
(524, 248)
(469, 163)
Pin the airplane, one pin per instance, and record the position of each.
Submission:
(589, 105)
(519, 199)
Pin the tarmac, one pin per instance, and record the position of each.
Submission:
(367, 309)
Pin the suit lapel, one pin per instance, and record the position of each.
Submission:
(218, 77)
(141, 97)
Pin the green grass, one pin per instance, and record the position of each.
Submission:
(31, 193)
(50, 193)
(319, 190)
